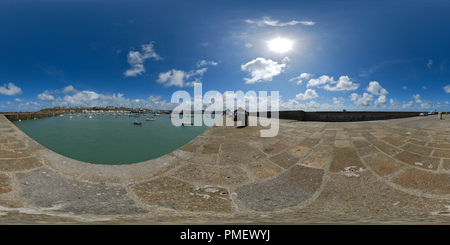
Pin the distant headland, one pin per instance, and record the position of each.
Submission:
(324, 116)
(56, 111)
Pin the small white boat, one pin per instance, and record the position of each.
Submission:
(186, 124)
(150, 119)
(156, 114)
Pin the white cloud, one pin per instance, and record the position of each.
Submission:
(343, 84)
(381, 100)
(393, 102)
(137, 69)
(338, 101)
(10, 89)
(24, 106)
(205, 63)
(417, 98)
(361, 101)
(84, 99)
(262, 69)
(316, 82)
(269, 22)
(310, 106)
(309, 94)
(447, 89)
(429, 63)
(88, 98)
(154, 98)
(408, 105)
(69, 89)
(185, 78)
(376, 89)
(172, 78)
(136, 59)
(180, 78)
(307, 23)
(198, 72)
(300, 78)
(423, 103)
(46, 95)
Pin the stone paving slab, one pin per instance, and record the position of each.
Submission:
(388, 171)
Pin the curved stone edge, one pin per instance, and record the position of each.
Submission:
(113, 174)
(119, 179)
(120, 176)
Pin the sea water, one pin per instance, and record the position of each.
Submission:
(110, 139)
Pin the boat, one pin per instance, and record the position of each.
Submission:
(186, 124)
(137, 123)
(156, 114)
(150, 119)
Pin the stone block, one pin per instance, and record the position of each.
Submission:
(264, 169)
(179, 195)
(288, 189)
(418, 160)
(5, 184)
(316, 159)
(421, 150)
(19, 164)
(444, 153)
(382, 164)
(212, 174)
(274, 148)
(285, 159)
(424, 181)
(343, 158)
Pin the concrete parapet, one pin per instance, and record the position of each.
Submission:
(338, 116)
(342, 116)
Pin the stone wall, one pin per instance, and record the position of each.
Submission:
(27, 116)
(340, 116)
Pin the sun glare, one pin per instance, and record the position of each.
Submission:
(280, 45)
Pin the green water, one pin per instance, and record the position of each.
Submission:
(107, 139)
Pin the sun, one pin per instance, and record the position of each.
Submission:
(280, 45)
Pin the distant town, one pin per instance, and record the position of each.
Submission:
(95, 109)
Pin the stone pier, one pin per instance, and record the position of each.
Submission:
(382, 172)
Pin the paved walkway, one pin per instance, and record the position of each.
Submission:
(393, 171)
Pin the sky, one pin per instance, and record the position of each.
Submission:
(331, 55)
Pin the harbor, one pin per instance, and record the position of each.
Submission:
(364, 172)
(110, 138)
